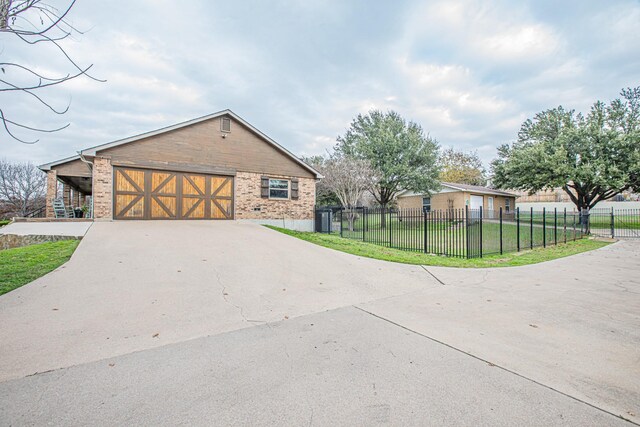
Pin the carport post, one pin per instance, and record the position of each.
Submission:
(518, 228)
(500, 230)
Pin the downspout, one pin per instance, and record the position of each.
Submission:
(91, 169)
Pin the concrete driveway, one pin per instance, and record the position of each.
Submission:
(136, 285)
(226, 323)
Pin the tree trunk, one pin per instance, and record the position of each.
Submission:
(351, 218)
(383, 216)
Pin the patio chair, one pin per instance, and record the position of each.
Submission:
(59, 209)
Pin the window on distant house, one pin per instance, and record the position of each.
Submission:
(507, 204)
(278, 189)
(426, 204)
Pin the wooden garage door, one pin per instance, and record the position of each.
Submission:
(153, 194)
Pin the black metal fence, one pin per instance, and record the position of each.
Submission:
(614, 223)
(463, 233)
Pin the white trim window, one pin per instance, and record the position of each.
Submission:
(507, 204)
(426, 204)
(279, 189)
(225, 124)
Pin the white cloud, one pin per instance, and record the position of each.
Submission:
(468, 72)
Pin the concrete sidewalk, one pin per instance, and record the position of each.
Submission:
(341, 367)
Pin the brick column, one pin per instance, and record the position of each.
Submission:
(66, 194)
(102, 188)
(52, 192)
(76, 198)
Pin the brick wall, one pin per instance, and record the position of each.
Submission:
(102, 188)
(52, 192)
(66, 194)
(247, 199)
(439, 201)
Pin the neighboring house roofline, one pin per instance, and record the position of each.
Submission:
(463, 187)
(47, 166)
(92, 151)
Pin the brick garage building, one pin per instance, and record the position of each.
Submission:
(213, 167)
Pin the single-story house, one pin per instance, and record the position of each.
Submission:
(457, 196)
(213, 167)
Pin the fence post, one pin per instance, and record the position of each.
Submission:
(500, 230)
(341, 222)
(466, 230)
(481, 211)
(389, 225)
(564, 225)
(613, 228)
(544, 227)
(574, 225)
(518, 228)
(424, 230)
(364, 223)
(531, 229)
(555, 226)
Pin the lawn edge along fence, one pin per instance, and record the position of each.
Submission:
(461, 233)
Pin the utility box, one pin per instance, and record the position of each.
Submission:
(324, 219)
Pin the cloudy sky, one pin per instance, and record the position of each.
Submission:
(468, 72)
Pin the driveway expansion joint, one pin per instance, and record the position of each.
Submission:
(433, 275)
(498, 366)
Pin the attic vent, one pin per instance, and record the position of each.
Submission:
(225, 124)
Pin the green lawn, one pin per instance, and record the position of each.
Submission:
(395, 255)
(20, 266)
(4, 222)
(628, 222)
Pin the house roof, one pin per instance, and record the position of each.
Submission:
(92, 151)
(466, 187)
(47, 166)
(477, 189)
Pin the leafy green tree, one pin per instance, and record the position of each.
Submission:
(592, 157)
(461, 167)
(399, 151)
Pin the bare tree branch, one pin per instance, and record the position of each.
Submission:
(36, 22)
(349, 179)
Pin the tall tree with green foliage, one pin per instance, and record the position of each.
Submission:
(462, 167)
(403, 156)
(592, 157)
